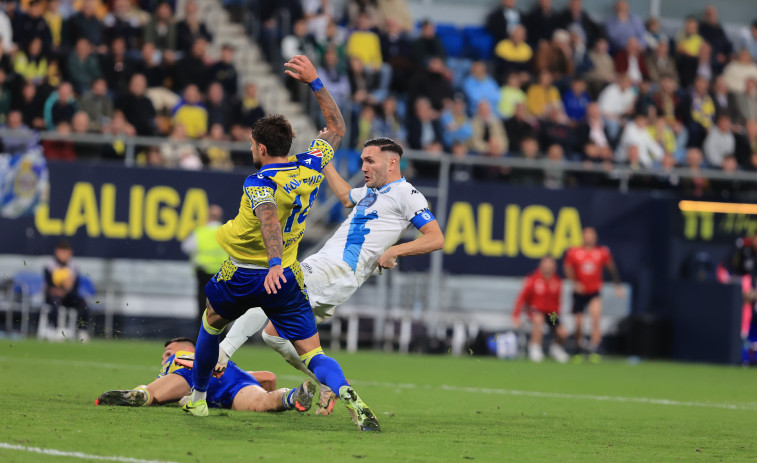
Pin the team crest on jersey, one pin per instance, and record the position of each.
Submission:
(368, 201)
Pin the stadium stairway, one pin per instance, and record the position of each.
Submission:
(253, 68)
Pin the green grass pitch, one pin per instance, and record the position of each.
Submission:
(431, 408)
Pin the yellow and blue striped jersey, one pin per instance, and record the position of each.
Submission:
(292, 186)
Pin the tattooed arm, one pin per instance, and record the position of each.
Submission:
(273, 238)
(300, 68)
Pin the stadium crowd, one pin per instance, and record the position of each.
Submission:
(529, 82)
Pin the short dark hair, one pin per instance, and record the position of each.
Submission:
(63, 244)
(171, 341)
(275, 132)
(384, 144)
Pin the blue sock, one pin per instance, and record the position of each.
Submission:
(328, 371)
(206, 355)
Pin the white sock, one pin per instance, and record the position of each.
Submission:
(197, 395)
(287, 350)
(244, 327)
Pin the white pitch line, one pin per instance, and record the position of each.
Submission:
(85, 456)
(749, 406)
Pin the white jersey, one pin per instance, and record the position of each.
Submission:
(380, 217)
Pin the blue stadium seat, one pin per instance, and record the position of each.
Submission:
(28, 284)
(86, 287)
(452, 39)
(478, 43)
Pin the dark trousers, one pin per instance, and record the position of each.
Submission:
(73, 300)
(202, 279)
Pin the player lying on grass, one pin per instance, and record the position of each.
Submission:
(236, 389)
(384, 208)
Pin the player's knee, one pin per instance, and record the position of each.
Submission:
(273, 341)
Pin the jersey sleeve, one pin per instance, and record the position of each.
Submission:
(317, 156)
(356, 194)
(606, 256)
(415, 209)
(260, 190)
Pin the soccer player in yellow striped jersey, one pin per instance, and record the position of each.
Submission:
(262, 269)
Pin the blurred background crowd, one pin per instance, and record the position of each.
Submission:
(530, 81)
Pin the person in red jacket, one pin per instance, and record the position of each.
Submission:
(541, 295)
(583, 265)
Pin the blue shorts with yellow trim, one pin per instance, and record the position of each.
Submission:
(221, 391)
(234, 289)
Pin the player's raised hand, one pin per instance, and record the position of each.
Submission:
(273, 280)
(300, 68)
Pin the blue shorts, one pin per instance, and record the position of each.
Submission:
(234, 289)
(221, 391)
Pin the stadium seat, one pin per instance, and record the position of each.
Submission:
(452, 39)
(28, 290)
(478, 43)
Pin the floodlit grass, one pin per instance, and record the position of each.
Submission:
(431, 408)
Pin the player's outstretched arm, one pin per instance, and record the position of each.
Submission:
(273, 239)
(431, 239)
(338, 185)
(300, 68)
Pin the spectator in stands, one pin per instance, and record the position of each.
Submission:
(575, 100)
(395, 10)
(117, 67)
(623, 25)
(513, 55)
(250, 107)
(5, 98)
(661, 132)
(688, 48)
(666, 99)
(6, 64)
(61, 285)
(725, 102)
(82, 66)
(738, 71)
(593, 140)
(336, 38)
(704, 64)
(318, 14)
(501, 20)
(555, 56)
(697, 185)
(698, 111)
(719, 142)
(575, 16)
(190, 113)
(540, 22)
(33, 25)
(630, 60)
(161, 30)
(60, 106)
(388, 123)
(84, 150)
(456, 123)
(177, 153)
(21, 137)
(654, 34)
(119, 128)
(555, 130)
(150, 66)
(31, 64)
(357, 7)
(636, 134)
(428, 45)
(510, 95)
(31, 106)
(520, 125)
(489, 135)
(153, 157)
(54, 20)
(529, 149)
(542, 96)
(602, 72)
(335, 78)
(460, 173)
(424, 129)
(746, 146)
(300, 42)
(712, 31)
(580, 53)
(193, 68)
(479, 85)
(98, 105)
(137, 108)
(364, 126)
(225, 72)
(433, 83)
(60, 150)
(749, 40)
(85, 24)
(190, 28)
(746, 103)
(218, 157)
(616, 102)
(125, 20)
(554, 174)
(6, 28)
(660, 63)
(220, 110)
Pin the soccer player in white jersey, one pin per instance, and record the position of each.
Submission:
(382, 210)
